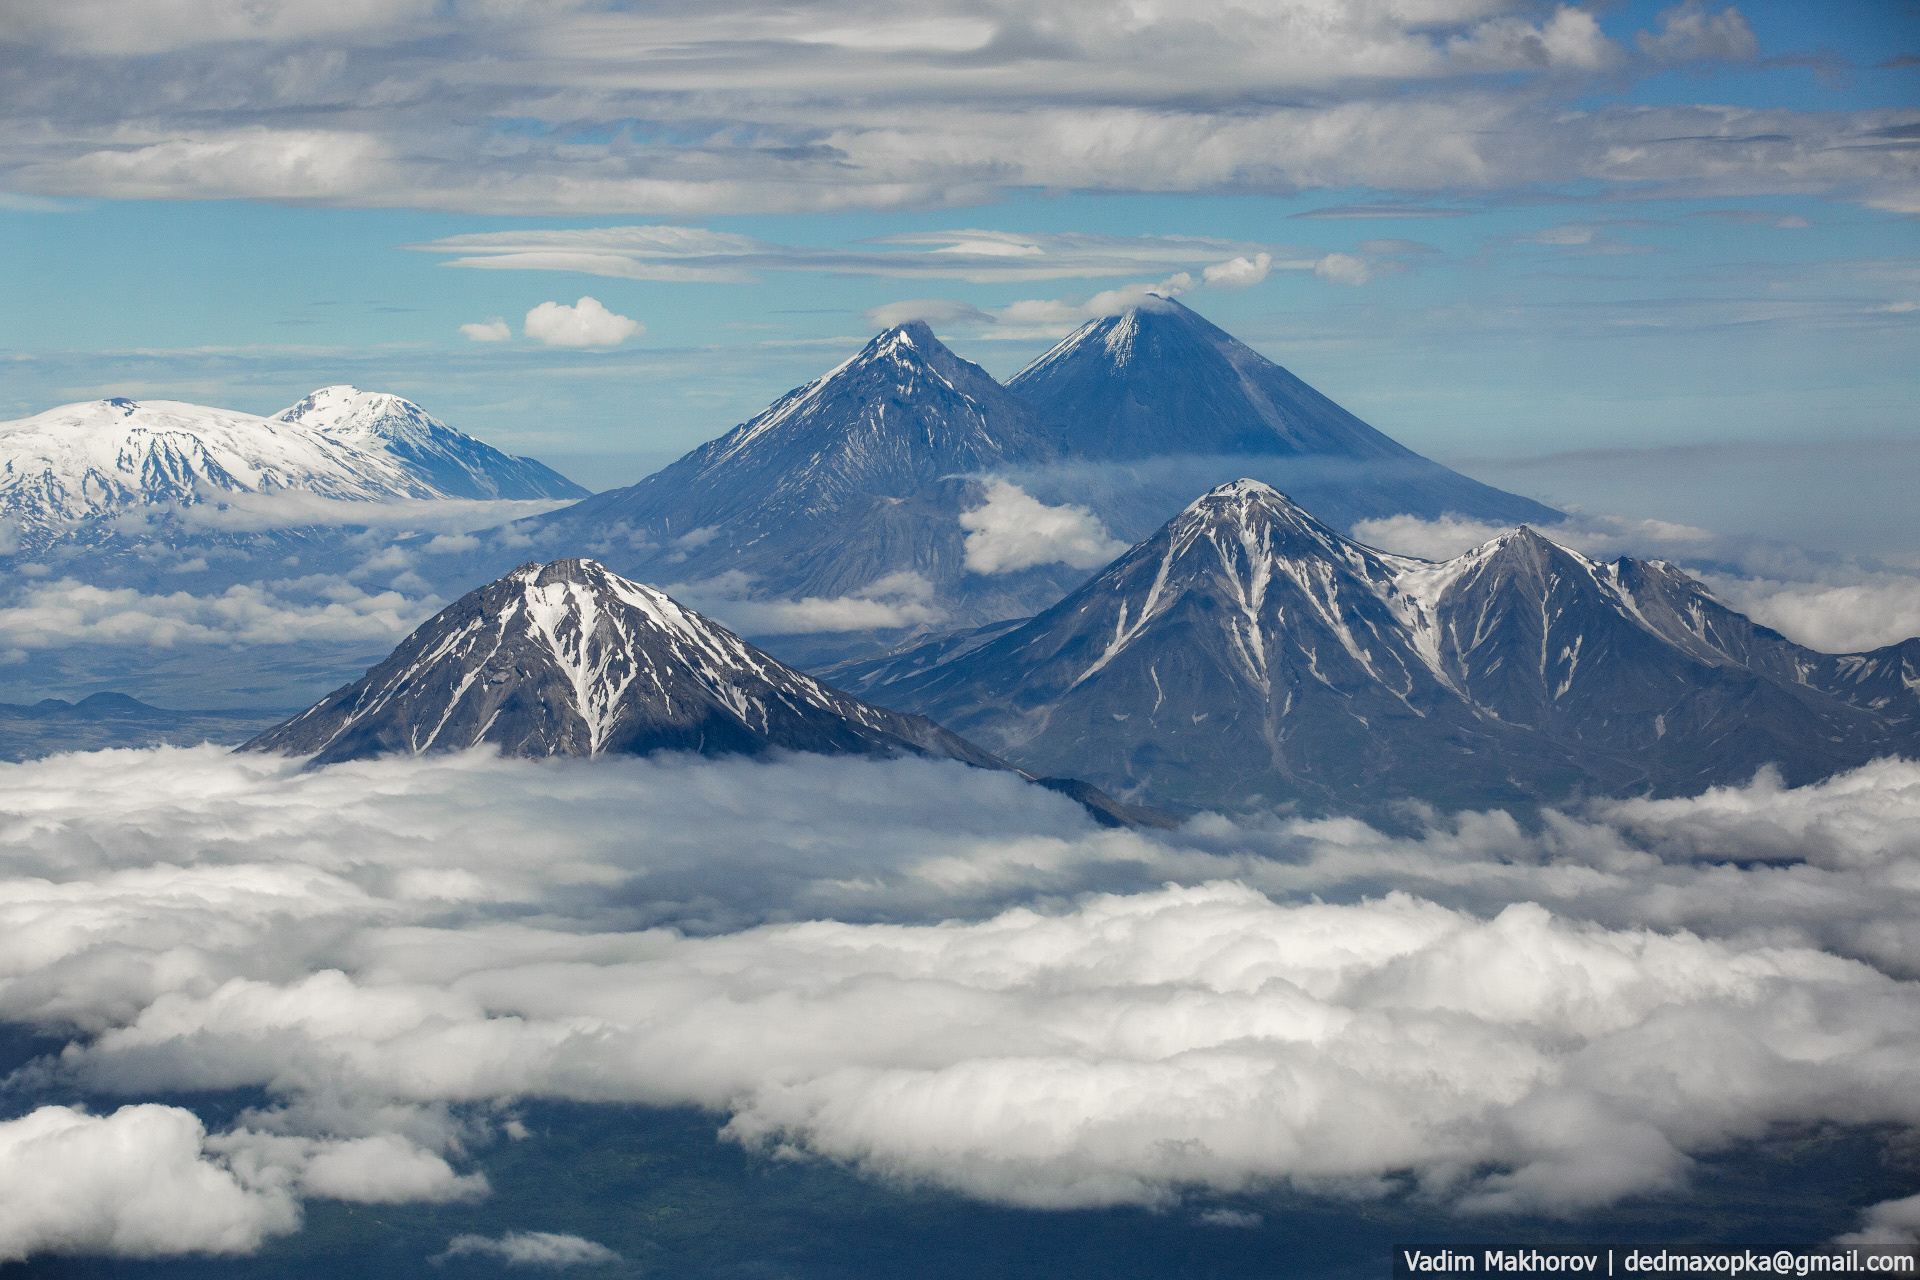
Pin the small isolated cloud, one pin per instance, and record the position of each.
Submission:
(1014, 531)
(935, 311)
(1688, 33)
(135, 1184)
(584, 324)
(1344, 268)
(494, 330)
(531, 1249)
(1793, 222)
(1238, 273)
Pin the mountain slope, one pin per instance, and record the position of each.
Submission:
(70, 472)
(851, 489)
(1158, 383)
(453, 463)
(568, 659)
(1247, 651)
(857, 478)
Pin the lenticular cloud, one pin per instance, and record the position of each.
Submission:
(931, 972)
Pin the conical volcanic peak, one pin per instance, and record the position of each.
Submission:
(897, 416)
(570, 659)
(1161, 380)
(1161, 385)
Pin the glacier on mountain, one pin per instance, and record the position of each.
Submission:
(95, 461)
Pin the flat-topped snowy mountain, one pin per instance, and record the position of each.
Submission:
(1247, 651)
(1158, 383)
(569, 659)
(453, 463)
(93, 462)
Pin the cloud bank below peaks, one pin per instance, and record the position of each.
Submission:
(949, 976)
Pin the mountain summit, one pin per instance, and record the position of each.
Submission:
(1247, 651)
(1159, 383)
(70, 472)
(569, 659)
(841, 491)
(455, 464)
(906, 488)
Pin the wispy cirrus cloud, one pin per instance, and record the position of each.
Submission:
(537, 108)
(978, 256)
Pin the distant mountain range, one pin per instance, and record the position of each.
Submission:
(73, 475)
(569, 659)
(102, 720)
(856, 502)
(1242, 651)
(1247, 652)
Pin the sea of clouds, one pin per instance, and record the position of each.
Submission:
(925, 972)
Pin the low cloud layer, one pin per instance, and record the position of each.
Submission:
(59, 613)
(941, 974)
(1013, 530)
(902, 599)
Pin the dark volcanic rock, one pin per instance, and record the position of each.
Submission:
(846, 495)
(568, 659)
(857, 478)
(1152, 405)
(1247, 652)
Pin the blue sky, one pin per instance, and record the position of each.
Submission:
(1627, 229)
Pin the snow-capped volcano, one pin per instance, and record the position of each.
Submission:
(857, 478)
(89, 463)
(1247, 650)
(453, 463)
(1158, 383)
(863, 476)
(570, 659)
(86, 461)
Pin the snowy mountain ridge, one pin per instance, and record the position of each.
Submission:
(96, 460)
(1247, 650)
(455, 464)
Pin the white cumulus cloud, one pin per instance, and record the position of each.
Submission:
(584, 324)
(494, 330)
(1238, 273)
(986, 992)
(137, 1183)
(1012, 530)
